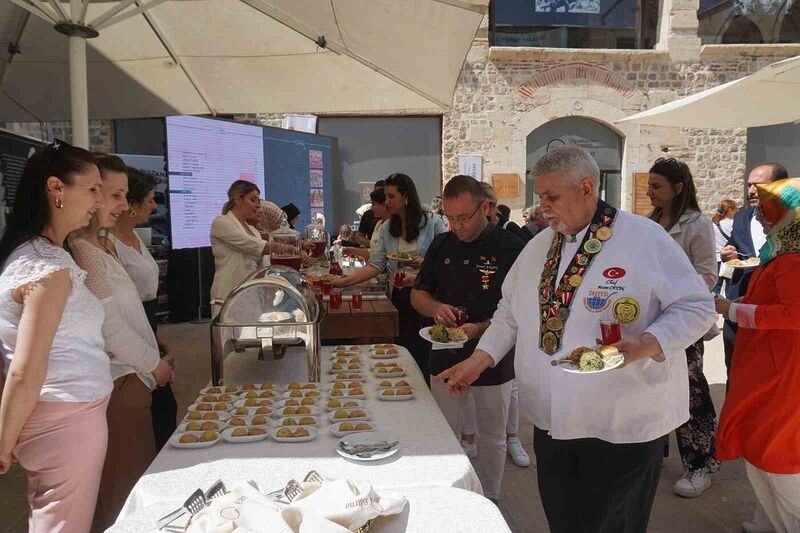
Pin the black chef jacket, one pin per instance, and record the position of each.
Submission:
(470, 275)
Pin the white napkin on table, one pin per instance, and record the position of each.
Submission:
(242, 510)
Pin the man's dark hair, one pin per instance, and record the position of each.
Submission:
(378, 196)
(504, 211)
(779, 171)
(380, 184)
(460, 184)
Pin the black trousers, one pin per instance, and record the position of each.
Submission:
(593, 486)
(728, 337)
(410, 324)
(164, 408)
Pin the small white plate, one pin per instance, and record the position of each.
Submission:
(301, 385)
(227, 436)
(223, 415)
(175, 438)
(384, 355)
(750, 262)
(358, 376)
(361, 385)
(278, 423)
(390, 375)
(367, 415)
(347, 348)
(272, 394)
(311, 393)
(367, 438)
(335, 429)
(228, 407)
(360, 405)
(243, 403)
(394, 398)
(231, 397)
(252, 411)
(573, 369)
(393, 384)
(182, 427)
(425, 334)
(345, 370)
(346, 396)
(248, 421)
(313, 433)
(220, 388)
(285, 402)
(280, 412)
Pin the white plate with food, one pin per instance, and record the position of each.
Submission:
(750, 262)
(300, 393)
(337, 368)
(208, 415)
(342, 415)
(347, 348)
(343, 385)
(194, 439)
(294, 434)
(349, 445)
(384, 355)
(393, 384)
(301, 410)
(214, 398)
(346, 394)
(242, 435)
(443, 337)
(346, 428)
(220, 389)
(240, 421)
(302, 385)
(402, 257)
(297, 402)
(272, 394)
(391, 372)
(201, 425)
(205, 407)
(396, 395)
(252, 411)
(346, 361)
(348, 376)
(292, 421)
(255, 402)
(595, 360)
(332, 405)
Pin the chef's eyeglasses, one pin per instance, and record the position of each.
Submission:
(461, 219)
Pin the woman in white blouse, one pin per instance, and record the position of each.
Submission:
(672, 192)
(136, 367)
(143, 271)
(57, 380)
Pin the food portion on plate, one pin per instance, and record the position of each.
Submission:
(194, 439)
(299, 434)
(445, 335)
(401, 256)
(400, 393)
(750, 262)
(344, 428)
(596, 359)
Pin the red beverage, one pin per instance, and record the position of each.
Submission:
(292, 261)
(399, 277)
(357, 301)
(461, 316)
(336, 299)
(610, 331)
(327, 285)
(335, 269)
(317, 283)
(319, 249)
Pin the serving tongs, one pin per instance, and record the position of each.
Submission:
(198, 501)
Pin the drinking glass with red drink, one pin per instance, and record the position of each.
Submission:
(399, 278)
(358, 300)
(327, 285)
(610, 331)
(461, 316)
(319, 249)
(336, 299)
(292, 261)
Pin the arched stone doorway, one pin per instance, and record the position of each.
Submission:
(742, 30)
(604, 143)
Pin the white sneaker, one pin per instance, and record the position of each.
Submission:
(471, 449)
(752, 527)
(692, 484)
(518, 455)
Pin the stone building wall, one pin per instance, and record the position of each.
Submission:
(101, 132)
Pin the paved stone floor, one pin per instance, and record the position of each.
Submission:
(722, 508)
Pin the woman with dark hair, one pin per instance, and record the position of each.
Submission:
(672, 193)
(143, 271)
(136, 367)
(723, 227)
(56, 373)
(409, 230)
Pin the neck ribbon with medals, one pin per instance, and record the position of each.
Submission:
(555, 299)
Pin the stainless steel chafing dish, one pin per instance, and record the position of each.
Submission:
(274, 308)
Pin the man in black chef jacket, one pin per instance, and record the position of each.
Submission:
(466, 268)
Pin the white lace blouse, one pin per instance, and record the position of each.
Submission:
(78, 367)
(140, 266)
(130, 341)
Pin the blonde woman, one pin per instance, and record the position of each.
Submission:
(136, 366)
(57, 380)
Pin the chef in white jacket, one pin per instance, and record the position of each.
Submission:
(598, 438)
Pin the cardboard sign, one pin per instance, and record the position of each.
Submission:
(506, 185)
(641, 202)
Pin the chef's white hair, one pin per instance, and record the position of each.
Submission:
(572, 162)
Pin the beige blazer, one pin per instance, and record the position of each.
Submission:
(238, 252)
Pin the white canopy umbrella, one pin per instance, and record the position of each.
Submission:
(770, 96)
(150, 58)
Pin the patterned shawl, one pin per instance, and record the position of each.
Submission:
(779, 203)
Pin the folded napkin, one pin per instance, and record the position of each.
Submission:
(338, 506)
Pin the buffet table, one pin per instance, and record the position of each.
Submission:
(429, 456)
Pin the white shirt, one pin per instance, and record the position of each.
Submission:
(376, 236)
(757, 232)
(237, 254)
(721, 240)
(77, 367)
(640, 402)
(130, 341)
(140, 266)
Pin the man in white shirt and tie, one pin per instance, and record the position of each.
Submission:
(598, 438)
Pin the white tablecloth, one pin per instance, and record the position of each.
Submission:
(429, 456)
(429, 509)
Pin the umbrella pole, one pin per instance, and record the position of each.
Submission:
(78, 90)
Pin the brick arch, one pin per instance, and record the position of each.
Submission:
(584, 72)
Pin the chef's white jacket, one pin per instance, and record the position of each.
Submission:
(640, 402)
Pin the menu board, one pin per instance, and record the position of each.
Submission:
(204, 156)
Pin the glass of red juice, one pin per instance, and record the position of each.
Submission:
(319, 248)
(358, 300)
(336, 299)
(327, 285)
(461, 316)
(610, 331)
(399, 277)
(293, 261)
